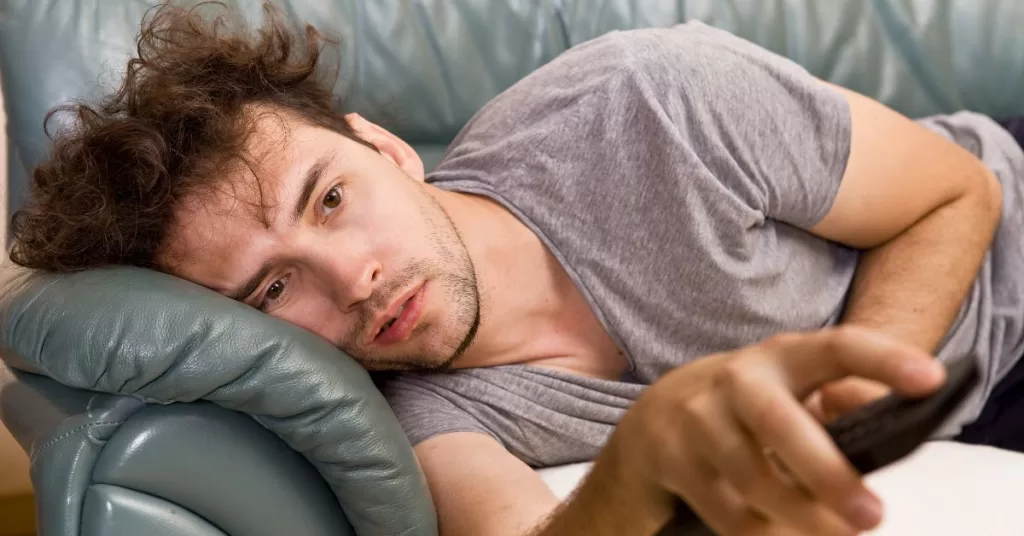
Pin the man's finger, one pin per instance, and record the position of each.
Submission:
(813, 405)
(778, 421)
(844, 396)
(737, 456)
(812, 359)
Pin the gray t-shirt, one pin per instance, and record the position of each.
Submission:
(673, 173)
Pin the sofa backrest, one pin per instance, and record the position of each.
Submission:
(423, 67)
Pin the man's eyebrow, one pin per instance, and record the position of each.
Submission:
(312, 178)
(309, 182)
(251, 284)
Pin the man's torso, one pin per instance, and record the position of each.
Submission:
(673, 174)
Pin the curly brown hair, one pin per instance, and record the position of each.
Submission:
(108, 192)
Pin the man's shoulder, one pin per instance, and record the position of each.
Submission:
(620, 47)
(602, 78)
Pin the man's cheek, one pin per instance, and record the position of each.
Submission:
(320, 322)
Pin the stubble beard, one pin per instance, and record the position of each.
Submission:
(461, 296)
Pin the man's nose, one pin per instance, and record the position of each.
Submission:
(359, 282)
(351, 280)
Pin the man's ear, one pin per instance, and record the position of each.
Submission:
(390, 146)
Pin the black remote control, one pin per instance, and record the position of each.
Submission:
(875, 435)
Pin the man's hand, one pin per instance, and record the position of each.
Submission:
(711, 432)
(703, 433)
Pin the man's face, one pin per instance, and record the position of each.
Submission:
(357, 250)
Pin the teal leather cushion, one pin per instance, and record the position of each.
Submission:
(201, 458)
(116, 511)
(164, 340)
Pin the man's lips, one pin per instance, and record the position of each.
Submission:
(405, 311)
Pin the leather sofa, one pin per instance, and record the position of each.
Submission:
(151, 406)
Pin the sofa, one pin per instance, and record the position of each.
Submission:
(149, 405)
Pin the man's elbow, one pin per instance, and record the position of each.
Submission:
(984, 194)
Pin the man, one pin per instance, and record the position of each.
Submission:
(652, 234)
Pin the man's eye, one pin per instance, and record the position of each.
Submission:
(332, 199)
(273, 293)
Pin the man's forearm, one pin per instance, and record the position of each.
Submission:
(912, 287)
(608, 503)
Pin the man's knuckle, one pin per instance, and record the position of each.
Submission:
(733, 375)
(770, 419)
(832, 341)
(693, 410)
(846, 336)
(781, 341)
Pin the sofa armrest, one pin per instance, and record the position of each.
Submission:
(159, 339)
(179, 466)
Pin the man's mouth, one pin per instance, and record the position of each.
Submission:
(400, 322)
(391, 322)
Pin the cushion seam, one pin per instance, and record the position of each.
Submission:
(55, 440)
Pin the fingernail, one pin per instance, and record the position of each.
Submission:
(864, 511)
(920, 370)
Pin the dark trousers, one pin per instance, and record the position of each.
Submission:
(1001, 423)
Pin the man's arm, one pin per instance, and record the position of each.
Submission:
(480, 489)
(924, 209)
(699, 433)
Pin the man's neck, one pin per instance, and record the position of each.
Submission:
(531, 311)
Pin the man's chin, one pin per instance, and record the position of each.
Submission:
(434, 358)
(406, 363)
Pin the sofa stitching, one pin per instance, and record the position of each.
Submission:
(74, 430)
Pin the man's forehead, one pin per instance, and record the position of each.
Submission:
(248, 198)
(211, 222)
(250, 192)
(257, 183)
(221, 216)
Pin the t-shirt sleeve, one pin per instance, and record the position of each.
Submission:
(425, 409)
(774, 135)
